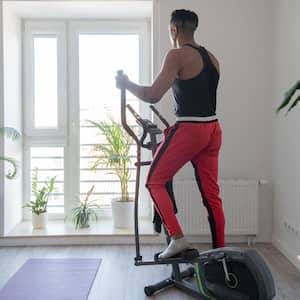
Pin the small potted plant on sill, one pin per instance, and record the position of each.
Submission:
(115, 154)
(38, 206)
(84, 213)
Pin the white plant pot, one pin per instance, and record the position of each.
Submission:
(122, 213)
(39, 221)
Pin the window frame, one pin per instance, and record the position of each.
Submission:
(45, 28)
(67, 135)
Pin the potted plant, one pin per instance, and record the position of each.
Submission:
(38, 206)
(115, 154)
(13, 134)
(82, 214)
(288, 97)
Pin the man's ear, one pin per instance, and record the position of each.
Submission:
(175, 30)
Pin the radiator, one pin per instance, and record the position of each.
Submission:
(240, 204)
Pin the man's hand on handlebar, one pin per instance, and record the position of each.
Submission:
(121, 81)
(142, 92)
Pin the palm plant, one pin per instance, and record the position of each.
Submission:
(39, 205)
(82, 214)
(115, 153)
(288, 97)
(13, 134)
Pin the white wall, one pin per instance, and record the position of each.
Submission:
(13, 115)
(76, 9)
(286, 144)
(239, 34)
(1, 125)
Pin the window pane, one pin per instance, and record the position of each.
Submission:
(50, 162)
(100, 56)
(45, 82)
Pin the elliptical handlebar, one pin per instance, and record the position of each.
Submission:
(123, 114)
(162, 119)
(138, 157)
(139, 121)
(135, 114)
(147, 126)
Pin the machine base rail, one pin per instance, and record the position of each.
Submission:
(192, 290)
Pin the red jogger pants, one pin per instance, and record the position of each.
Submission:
(199, 143)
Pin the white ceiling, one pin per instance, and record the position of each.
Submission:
(80, 9)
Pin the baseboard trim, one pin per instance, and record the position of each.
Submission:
(93, 239)
(76, 240)
(290, 254)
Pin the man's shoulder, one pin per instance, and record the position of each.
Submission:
(173, 52)
(178, 54)
(173, 55)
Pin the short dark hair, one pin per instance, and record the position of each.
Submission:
(186, 19)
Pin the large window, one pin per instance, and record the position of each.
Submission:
(69, 79)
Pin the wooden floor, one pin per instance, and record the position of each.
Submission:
(119, 279)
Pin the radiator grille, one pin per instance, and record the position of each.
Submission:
(240, 203)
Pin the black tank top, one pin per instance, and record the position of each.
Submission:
(196, 97)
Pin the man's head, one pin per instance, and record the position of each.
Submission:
(183, 22)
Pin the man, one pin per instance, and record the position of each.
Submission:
(193, 74)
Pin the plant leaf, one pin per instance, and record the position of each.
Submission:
(34, 180)
(116, 152)
(288, 96)
(294, 103)
(11, 173)
(10, 132)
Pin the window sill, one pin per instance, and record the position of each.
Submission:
(103, 227)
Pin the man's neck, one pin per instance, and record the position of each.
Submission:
(183, 41)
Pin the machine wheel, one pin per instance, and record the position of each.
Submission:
(233, 283)
(149, 290)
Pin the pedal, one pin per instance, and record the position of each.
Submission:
(184, 255)
(189, 254)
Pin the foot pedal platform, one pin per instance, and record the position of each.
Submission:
(184, 256)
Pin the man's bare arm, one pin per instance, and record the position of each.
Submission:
(161, 84)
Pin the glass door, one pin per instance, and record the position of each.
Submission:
(101, 49)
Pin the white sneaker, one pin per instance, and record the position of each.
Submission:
(175, 247)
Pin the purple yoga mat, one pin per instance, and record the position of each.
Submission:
(52, 279)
